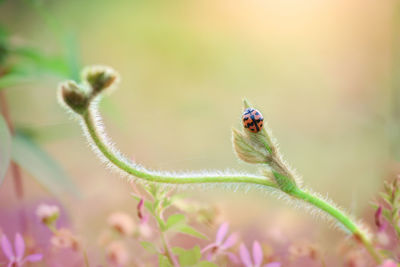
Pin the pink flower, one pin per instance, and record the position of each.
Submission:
(388, 263)
(63, 238)
(117, 254)
(256, 259)
(122, 223)
(222, 244)
(17, 259)
(47, 213)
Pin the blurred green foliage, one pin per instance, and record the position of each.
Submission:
(21, 64)
(42, 166)
(5, 148)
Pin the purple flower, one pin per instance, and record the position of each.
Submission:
(17, 259)
(222, 244)
(256, 259)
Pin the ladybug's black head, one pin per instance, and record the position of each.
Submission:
(248, 111)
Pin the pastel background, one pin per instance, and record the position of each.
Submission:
(323, 73)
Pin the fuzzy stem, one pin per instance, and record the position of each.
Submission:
(132, 169)
(339, 216)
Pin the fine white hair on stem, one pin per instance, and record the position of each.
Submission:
(227, 186)
(279, 178)
(100, 131)
(297, 177)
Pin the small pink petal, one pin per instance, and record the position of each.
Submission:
(6, 247)
(257, 254)
(208, 247)
(34, 257)
(230, 241)
(273, 264)
(140, 208)
(222, 231)
(378, 217)
(145, 219)
(19, 245)
(245, 256)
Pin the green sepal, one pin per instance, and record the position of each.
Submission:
(286, 184)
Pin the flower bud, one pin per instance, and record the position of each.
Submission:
(117, 254)
(47, 214)
(99, 78)
(74, 96)
(247, 150)
(64, 238)
(122, 223)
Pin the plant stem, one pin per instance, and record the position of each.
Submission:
(132, 169)
(160, 222)
(167, 250)
(85, 258)
(340, 217)
(120, 162)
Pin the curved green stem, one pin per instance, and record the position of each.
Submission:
(132, 169)
(339, 216)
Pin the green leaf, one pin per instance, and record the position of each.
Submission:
(188, 257)
(178, 250)
(206, 264)
(41, 166)
(72, 56)
(47, 133)
(5, 148)
(37, 61)
(12, 79)
(150, 247)
(175, 220)
(163, 261)
(186, 229)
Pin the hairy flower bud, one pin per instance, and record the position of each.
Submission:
(117, 253)
(99, 78)
(74, 96)
(247, 150)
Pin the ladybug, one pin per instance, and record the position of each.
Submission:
(252, 120)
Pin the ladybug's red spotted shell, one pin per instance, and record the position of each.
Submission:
(253, 120)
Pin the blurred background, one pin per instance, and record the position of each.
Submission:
(323, 73)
